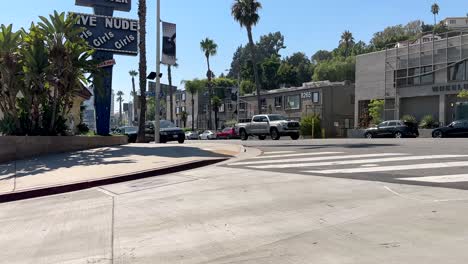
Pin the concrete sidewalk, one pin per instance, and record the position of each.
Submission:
(84, 169)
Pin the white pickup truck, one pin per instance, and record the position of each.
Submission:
(269, 125)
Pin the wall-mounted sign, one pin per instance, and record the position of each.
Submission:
(118, 35)
(119, 5)
(106, 63)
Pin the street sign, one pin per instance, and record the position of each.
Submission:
(114, 34)
(119, 5)
(106, 63)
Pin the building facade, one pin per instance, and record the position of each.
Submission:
(332, 101)
(419, 79)
(456, 23)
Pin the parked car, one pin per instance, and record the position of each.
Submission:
(227, 133)
(275, 126)
(191, 135)
(130, 131)
(168, 132)
(457, 128)
(393, 128)
(208, 135)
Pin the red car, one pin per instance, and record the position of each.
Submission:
(227, 133)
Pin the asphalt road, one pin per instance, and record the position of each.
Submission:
(232, 213)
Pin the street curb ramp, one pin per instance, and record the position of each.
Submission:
(77, 186)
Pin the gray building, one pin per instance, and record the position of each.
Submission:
(332, 101)
(417, 78)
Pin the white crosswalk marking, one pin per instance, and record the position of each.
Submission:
(318, 158)
(394, 168)
(297, 155)
(277, 152)
(284, 165)
(439, 179)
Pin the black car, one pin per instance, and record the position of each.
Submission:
(169, 132)
(130, 131)
(455, 129)
(393, 128)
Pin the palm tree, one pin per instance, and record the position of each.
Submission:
(193, 87)
(246, 13)
(142, 69)
(217, 102)
(120, 99)
(435, 11)
(171, 92)
(347, 40)
(210, 48)
(133, 74)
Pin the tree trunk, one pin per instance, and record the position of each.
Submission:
(210, 94)
(142, 70)
(193, 112)
(171, 94)
(254, 62)
(135, 109)
(120, 112)
(54, 111)
(216, 119)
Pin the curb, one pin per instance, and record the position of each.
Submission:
(77, 186)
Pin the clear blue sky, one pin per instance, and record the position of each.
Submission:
(308, 25)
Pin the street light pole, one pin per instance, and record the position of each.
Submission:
(157, 125)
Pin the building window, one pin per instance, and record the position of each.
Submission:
(205, 108)
(183, 97)
(229, 106)
(183, 109)
(177, 110)
(264, 103)
(242, 107)
(453, 22)
(293, 102)
(279, 101)
(456, 72)
(429, 77)
(316, 97)
(221, 108)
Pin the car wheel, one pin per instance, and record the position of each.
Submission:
(275, 134)
(181, 141)
(368, 135)
(398, 135)
(244, 135)
(437, 134)
(229, 137)
(262, 137)
(295, 136)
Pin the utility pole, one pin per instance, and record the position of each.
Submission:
(157, 125)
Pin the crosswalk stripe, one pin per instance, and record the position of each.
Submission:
(297, 155)
(439, 179)
(318, 159)
(349, 162)
(277, 152)
(394, 168)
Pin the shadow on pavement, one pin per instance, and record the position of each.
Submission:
(104, 156)
(306, 146)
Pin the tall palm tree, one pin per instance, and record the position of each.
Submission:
(171, 92)
(120, 99)
(347, 40)
(435, 11)
(210, 48)
(246, 13)
(217, 102)
(142, 69)
(193, 87)
(133, 74)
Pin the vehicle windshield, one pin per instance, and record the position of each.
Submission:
(167, 124)
(130, 130)
(276, 118)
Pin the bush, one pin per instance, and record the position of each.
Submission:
(307, 123)
(82, 129)
(410, 119)
(428, 122)
(376, 108)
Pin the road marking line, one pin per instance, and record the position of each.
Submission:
(368, 162)
(439, 179)
(395, 168)
(277, 152)
(297, 155)
(287, 161)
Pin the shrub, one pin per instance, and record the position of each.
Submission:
(307, 123)
(428, 122)
(376, 108)
(82, 129)
(410, 119)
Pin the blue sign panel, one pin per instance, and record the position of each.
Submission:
(119, 5)
(117, 35)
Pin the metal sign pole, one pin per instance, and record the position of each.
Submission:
(158, 73)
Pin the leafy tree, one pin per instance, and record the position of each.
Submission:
(216, 102)
(120, 99)
(321, 55)
(246, 13)
(376, 108)
(247, 87)
(210, 48)
(269, 72)
(133, 74)
(194, 87)
(336, 70)
(142, 12)
(270, 44)
(302, 67)
(287, 74)
(435, 11)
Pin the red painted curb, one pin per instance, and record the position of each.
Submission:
(77, 186)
